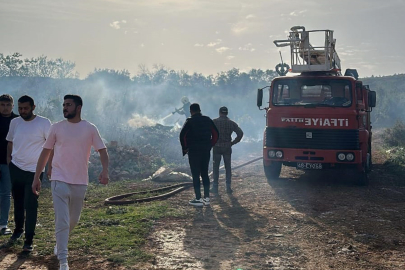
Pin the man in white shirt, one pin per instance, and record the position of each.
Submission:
(25, 137)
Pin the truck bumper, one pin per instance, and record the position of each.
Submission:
(293, 156)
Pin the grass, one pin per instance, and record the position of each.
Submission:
(116, 233)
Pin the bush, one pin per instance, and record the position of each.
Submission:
(395, 136)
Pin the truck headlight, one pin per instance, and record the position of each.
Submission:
(279, 154)
(271, 154)
(350, 157)
(341, 156)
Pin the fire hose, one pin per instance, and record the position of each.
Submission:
(171, 190)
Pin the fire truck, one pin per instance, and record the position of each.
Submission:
(318, 118)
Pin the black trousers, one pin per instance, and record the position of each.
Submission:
(199, 162)
(25, 201)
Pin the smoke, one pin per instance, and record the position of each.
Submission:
(140, 121)
(142, 111)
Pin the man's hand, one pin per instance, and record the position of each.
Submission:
(49, 172)
(103, 178)
(8, 160)
(36, 186)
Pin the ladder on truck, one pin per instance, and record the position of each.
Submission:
(308, 58)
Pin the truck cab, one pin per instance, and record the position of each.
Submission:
(317, 119)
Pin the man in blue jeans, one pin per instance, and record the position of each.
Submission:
(6, 115)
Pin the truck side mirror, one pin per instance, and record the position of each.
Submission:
(372, 98)
(259, 97)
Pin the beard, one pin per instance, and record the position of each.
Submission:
(69, 115)
(26, 116)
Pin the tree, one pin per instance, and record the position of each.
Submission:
(13, 65)
(109, 75)
(10, 65)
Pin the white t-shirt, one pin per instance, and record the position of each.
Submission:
(72, 143)
(27, 137)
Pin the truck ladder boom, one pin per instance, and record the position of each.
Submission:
(308, 58)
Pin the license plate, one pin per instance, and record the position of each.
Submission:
(309, 166)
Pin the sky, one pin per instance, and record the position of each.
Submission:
(203, 36)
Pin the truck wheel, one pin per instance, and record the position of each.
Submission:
(362, 176)
(369, 164)
(272, 171)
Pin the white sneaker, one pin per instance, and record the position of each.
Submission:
(55, 250)
(206, 201)
(64, 266)
(196, 202)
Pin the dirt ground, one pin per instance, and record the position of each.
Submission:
(305, 220)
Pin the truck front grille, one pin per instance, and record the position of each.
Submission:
(328, 139)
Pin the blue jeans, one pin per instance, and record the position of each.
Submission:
(5, 194)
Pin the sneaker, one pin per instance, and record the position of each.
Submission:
(64, 266)
(15, 236)
(5, 231)
(28, 247)
(55, 250)
(229, 190)
(196, 202)
(206, 201)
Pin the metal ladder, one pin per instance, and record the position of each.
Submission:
(307, 58)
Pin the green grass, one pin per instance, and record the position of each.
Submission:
(116, 233)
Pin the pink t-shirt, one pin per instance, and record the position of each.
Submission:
(72, 143)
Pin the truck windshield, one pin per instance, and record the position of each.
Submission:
(312, 93)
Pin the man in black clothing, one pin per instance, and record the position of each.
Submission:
(6, 115)
(198, 135)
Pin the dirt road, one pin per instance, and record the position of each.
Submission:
(306, 220)
(303, 221)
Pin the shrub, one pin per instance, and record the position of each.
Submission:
(395, 136)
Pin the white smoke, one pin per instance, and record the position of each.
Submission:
(138, 121)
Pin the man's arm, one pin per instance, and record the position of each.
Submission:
(42, 160)
(214, 133)
(239, 134)
(9, 151)
(183, 137)
(103, 178)
(49, 171)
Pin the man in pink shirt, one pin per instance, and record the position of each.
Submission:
(71, 141)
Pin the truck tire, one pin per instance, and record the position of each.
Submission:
(369, 165)
(361, 178)
(272, 171)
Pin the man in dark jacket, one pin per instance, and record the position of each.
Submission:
(198, 135)
(6, 115)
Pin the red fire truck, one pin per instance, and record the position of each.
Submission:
(318, 119)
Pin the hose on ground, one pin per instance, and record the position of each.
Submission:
(172, 189)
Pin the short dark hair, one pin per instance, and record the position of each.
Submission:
(76, 99)
(6, 98)
(223, 110)
(26, 98)
(195, 107)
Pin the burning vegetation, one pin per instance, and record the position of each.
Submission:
(153, 147)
